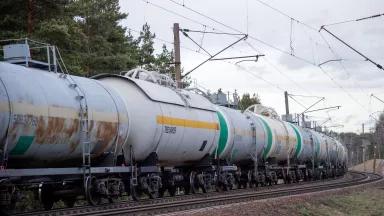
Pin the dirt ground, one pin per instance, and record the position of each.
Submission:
(368, 166)
(356, 201)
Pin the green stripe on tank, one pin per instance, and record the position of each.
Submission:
(223, 138)
(22, 145)
(269, 138)
(298, 138)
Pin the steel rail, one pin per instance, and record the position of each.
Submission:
(178, 203)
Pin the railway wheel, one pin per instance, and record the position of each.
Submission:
(201, 182)
(70, 202)
(274, 178)
(162, 192)
(187, 188)
(91, 191)
(192, 182)
(46, 196)
(243, 184)
(113, 199)
(263, 180)
(289, 178)
(134, 191)
(153, 187)
(172, 190)
(221, 187)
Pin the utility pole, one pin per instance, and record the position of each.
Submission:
(176, 42)
(374, 158)
(286, 103)
(364, 158)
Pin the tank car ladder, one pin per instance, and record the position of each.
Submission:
(84, 137)
(83, 114)
(254, 155)
(313, 154)
(84, 131)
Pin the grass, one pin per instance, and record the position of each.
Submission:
(368, 202)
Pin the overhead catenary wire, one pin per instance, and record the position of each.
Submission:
(177, 14)
(291, 38)
(308, 96)
(355, 20)
(247, 16)
(197, 44)
(349, 46)
(312, 28)
(217, 29)
(269, 45)
(297, 102)
(257, 76)
(277, 69)
(241, 32)
(340, 62)
(202, 38)
(205, 54)
(211, 32)
(167, 42)
(286, 15)
(342, 88)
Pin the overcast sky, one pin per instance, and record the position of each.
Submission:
(348, 83)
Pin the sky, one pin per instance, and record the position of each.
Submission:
(287, 33)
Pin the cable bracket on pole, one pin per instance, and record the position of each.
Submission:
(245, 36)
(346, 44)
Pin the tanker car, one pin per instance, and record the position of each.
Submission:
(65, 137)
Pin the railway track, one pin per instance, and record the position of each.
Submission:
(179, 203)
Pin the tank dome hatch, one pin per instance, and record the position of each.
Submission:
(264, 111)
(150, 76)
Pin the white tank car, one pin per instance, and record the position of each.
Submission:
(341, 153)
(328, 148)
(180, 126)
(237, 139)
(282, 139)
(306, 145)
(320, 145)
(332, 149)
(40, 122)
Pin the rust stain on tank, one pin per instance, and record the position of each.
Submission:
(56, 130)
(106, 133)
(40, 129)
(70, 131)
(46, 133)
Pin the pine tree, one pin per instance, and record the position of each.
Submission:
(87, 32)
(246, 101)
(145, 41)
(164, 62)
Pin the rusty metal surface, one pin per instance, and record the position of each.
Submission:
(4, 117)
(44, 122)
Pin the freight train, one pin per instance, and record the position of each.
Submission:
(136, 134)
